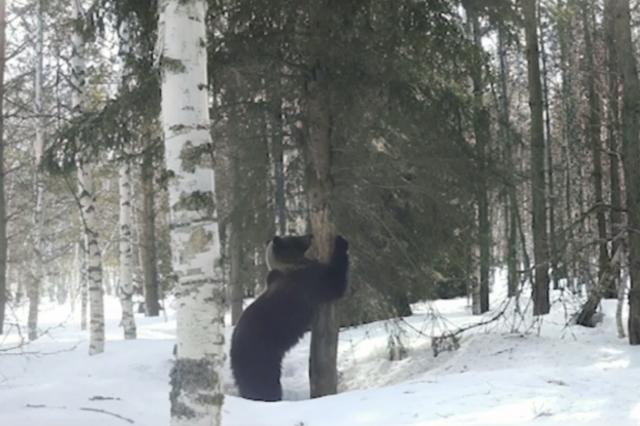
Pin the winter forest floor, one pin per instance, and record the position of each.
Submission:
(545, 373)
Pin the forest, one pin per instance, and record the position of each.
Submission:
(460, 178)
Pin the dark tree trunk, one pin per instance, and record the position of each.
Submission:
(585, 317)
(323, 372)
(3, 208)
(510, 208)
(237, 277)
(148, 236)
(570, 133)
(613, 128)
(541, 303)
(630, 156)
(553, 247)
(482, 134)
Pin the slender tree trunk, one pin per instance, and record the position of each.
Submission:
(148, 236)
(541, 303)
(126, 254)
(38, 147)
(482, 134)
(622, 290)
(87, 196)
(3, 208)
(196, 395)
(84, 287)
(125, 286)
(613, 129)
(570, 133)
(585, 317)
(511, 212)
(551, 196)
(630, 156)
(323, 371)
(238, 276)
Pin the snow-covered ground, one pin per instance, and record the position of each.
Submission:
(552, 375)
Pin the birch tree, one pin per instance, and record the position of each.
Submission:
(87, 194)
(3, 213)
(124, 185)
(196, 394)
(38, 148)
(126, 254)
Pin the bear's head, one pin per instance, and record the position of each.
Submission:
(287, 253)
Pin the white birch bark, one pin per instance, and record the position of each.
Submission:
(126, 253)
(87, 197)
(38, 148)
(84, 294)
(196, 395)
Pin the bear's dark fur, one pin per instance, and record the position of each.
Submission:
(278, 318)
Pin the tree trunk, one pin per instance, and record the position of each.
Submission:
(482, 134)
(196, 395)
(37, 282)
(541, 303)
(551, 196)
(125, 286)
(585, 317)
(87, 196)
(84, 293)
(238, 274)
(511, 208)
(630, 156)
(613, 129)
(3, 208)
(148, 252)
(572, 146)
(126, 254)
(323, 372)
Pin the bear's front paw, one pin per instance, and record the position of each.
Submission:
(341, 245)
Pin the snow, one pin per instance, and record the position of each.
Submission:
(552, 375)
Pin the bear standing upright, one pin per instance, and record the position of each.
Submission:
(278, 318)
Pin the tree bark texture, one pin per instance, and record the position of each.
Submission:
(196, 384)
(613, 131)
(323, 373)
(125, 288)
(148, 251)
(87, 195)
(482, 134)
(553, 244)
(83, 286)
(541, 303)
(586, 314)
(126, 253)
(3, 208)
(511, 208)
(318, 140)
(630, 156)
(38, 278)
(238, 276)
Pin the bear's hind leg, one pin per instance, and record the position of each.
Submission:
(263, 385)
(258, 378)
